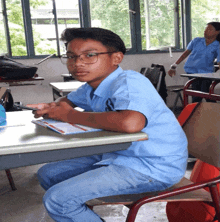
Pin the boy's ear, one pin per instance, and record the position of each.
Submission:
(117, 58)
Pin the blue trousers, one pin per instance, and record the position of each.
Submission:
(71, 183)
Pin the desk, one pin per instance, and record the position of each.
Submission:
(30, 144)
(215, 77)
(63, 88)
(16, 82)
(67, 77)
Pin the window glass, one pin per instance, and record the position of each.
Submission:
(157, 24)
(3, 46)
(43, 27)
(68, 17)
(43, 23)
(112, 15)
(203, 12)
(16, 28)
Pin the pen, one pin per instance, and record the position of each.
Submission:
(26, 107)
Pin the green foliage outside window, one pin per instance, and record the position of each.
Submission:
(113, 15)
(157, 22)
(203, 12)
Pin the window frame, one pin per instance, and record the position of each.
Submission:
(85, 21)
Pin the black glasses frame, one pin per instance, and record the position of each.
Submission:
(64, 56)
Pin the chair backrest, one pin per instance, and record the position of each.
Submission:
(203, 132)
(142, 70)
(154, 74)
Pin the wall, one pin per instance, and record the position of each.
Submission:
(52, 68)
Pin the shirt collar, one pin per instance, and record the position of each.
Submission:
(214, 43)
(107, 81)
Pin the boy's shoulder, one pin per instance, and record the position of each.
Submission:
(131, 79)
(131, 74)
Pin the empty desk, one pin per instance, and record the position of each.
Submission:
(63, 88)
(215, 77)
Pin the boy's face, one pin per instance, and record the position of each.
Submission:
(94, 73)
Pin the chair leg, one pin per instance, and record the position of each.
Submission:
(10, 179)
(216, 202)
(132, 212)
(175, 102)
(181, 98)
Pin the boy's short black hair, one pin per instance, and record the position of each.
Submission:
(108, 38)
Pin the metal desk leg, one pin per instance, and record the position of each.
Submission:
(10, 179)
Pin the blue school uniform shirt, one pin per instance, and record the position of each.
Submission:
(164, 155)
(202, 56)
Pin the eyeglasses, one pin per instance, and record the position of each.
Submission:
(87, 58)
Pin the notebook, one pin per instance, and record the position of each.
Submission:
(63, 127)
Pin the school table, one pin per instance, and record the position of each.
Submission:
(18, 82)
(187, 91)
(67, 77)
(63, 88)
(24, 143)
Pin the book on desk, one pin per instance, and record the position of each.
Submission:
(64, 127)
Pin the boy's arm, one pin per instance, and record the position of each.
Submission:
(127, 121)
(172, 71)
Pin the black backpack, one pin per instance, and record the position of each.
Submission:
(10, 69)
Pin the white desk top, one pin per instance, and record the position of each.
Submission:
(29, 137)
(66, 86)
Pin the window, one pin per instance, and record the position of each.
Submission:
(44, 24)
(113, 15)
(203, 12)
(3, 43)
(158, 24)
(16, 27)
(32, 28)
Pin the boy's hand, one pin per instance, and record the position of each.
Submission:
(39, 105)
(58, 111)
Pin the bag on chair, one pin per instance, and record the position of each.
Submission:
(193, 211)
(10, 69)
(7, 101)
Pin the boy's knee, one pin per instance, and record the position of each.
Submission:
(52, 201)
(43, 179)
(57, 201)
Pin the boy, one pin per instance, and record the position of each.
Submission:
(116, 100)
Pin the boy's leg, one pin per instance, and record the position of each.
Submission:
(196, 85)
(53, 173)
(66, 201)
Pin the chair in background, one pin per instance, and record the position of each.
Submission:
(202, 127)
(156, 74)
(178, 91)
(67, 77)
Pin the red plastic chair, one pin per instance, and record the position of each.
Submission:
(201, 124)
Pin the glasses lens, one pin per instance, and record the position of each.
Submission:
(89, 58)
(63, 59)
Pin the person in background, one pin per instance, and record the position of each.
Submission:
(202, 52)
(117, 100)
